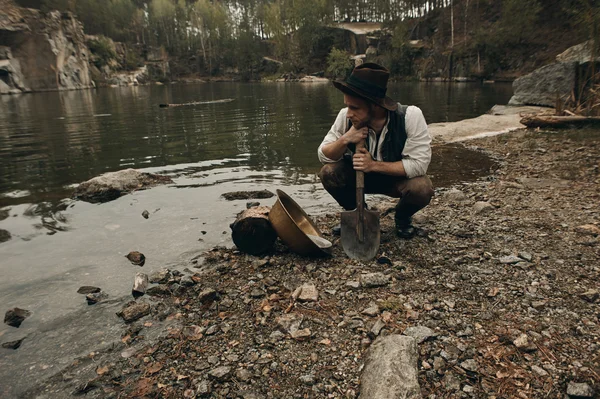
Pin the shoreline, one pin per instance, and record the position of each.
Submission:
(459, 246)
(222, 79)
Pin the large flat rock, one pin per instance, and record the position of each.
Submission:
(112, 185)
(500, 119)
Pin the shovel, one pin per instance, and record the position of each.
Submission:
(360, 227)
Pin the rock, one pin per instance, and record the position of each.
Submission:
(160, 277)
(13, 344)
(589, 229)
(372, 310)
(245, 195)
(538, 305)
(313, 79)
(470, 365)
(390, 369)
(16, 316)
(308, 379)
(140, 284)
(58, 42)
(419, 333)
(353, 285)
(203, 389)
(159, 290)
(145, 214)
(276, 336)
(376, 329)
(87, 289)
(187, 281)
(207, 295)
(289, 323)
(95, 297)
(451, 382)
(257, 293)
(522, 341)
(306, 293)
(539, 371)
(526, 256)
(222, 373)
(579, 390)
(455, 195)
(481, 207)
(134, 311)
(112, 185)
(252, 204)
(542, 86)
(4, 235)
(371, 280)
(301, 335)
(243, 375)
(590, 295)
(580, 53)
(510, 260)
(136, 258)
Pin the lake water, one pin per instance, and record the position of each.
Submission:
(266, 138)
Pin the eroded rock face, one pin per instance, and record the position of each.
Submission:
(41, 51)
(112, 185)
(543, 86)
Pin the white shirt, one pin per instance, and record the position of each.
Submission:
(416, 154)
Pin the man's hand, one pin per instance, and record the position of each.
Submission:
(355, 135)
(363, 161)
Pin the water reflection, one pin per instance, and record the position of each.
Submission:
(49, 141)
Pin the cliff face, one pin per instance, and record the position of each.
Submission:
(40, 52)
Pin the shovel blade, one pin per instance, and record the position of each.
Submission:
(356, 245)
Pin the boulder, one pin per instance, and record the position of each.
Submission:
(581, 53)
(390, 369)
(543, 86)
(112, 185)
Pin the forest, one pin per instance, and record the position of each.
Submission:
(483, 38)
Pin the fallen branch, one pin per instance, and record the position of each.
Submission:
(559, 121)
(226, 100)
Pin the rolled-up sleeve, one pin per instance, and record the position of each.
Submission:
(416, 155)
(337, 130)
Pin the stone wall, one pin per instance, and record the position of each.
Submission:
(41, 51)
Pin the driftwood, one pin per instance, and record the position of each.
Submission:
(226, 100)
(252, 232)
(559, 121)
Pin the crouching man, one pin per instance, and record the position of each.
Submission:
(396, 154)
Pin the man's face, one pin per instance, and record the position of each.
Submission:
(359, 111)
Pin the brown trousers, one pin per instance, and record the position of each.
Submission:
(339, 179)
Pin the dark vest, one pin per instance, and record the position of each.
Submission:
(395, 139)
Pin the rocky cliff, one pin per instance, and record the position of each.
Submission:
(41, 51)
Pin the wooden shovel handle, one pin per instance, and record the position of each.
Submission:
(360, 197)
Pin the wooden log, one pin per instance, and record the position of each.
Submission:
(559, 121)
(140, 284)
(252, 232)
(225, 100)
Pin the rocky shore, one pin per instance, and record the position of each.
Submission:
(499, 290)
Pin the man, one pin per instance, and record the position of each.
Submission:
(397, 153)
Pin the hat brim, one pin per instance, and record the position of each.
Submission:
(386, 102)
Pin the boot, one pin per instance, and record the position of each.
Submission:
(403, 219)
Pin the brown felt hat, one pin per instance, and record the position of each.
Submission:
(368, 81)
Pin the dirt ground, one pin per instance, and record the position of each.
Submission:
(503, 277)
